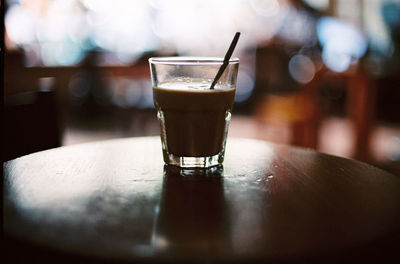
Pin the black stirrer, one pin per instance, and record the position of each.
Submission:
(226, 59)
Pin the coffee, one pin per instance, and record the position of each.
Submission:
(193, 117)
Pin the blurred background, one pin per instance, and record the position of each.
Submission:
(315, 73)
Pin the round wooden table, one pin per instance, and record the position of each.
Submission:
(115, 201)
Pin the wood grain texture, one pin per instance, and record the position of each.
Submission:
(115, 200)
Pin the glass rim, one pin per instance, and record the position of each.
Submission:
(195, 61)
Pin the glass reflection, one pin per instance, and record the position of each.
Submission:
(192, 216)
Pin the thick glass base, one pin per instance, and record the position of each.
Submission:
(194, 162)
(193, 145)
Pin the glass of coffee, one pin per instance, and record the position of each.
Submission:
(194, 118)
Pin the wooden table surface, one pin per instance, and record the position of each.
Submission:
(115, 201)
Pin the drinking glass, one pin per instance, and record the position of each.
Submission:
(194, 119)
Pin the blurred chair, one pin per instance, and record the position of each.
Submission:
(31, 122)
(284, 101)
(302, 106)
(361, 112)
(298, 110)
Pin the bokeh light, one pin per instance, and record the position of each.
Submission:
(301, 68)
(341, 43)
(20, 25)
(129, 28)
(62, 32)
